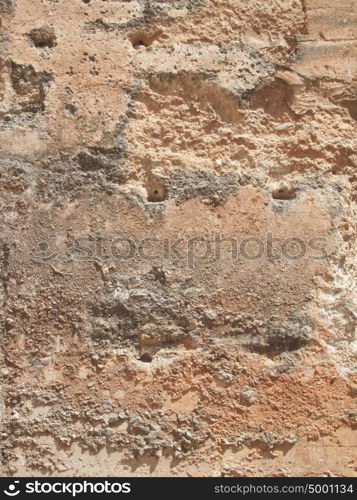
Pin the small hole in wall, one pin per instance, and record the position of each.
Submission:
(142, 39)
(156, 195)
(284, 194)
(145, 358)
(351, 106)
(139, 40)
(43, 37)
(155, 189)
(139, 43)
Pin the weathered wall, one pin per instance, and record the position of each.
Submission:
(141, 142)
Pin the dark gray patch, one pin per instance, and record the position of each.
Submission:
(6, 7)
(30, 86)
(292, 335)
(184, 184)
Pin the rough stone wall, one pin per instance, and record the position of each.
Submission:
(141, 143)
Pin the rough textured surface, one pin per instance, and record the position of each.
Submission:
(181, 122)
